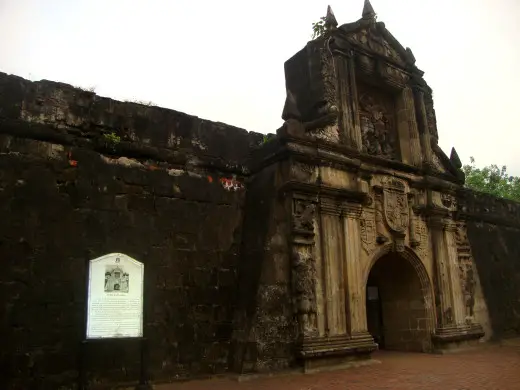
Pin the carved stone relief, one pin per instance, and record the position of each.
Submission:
(368, 230)
(437, 163)
(420, 235)
(430, 114)
(377, 126)
(303, 216)
(303, 266)
(381, 237)
(304, 290)
(371, 39)
(447, 200)
(304, 172)
(444, 200)
(466, 269)
(396, 210)
(327, 132)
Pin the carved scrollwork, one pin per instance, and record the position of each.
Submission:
(420, 235)
(367, 231)
(430, 115)
(381, 237)
(303, 265)
(466, 268)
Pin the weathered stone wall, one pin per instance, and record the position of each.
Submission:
(494, 233)
(169, 192)
(265, 325)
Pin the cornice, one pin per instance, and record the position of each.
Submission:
(321, 190)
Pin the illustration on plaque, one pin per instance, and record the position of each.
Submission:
(114, 308)
(116, 279)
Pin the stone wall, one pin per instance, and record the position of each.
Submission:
(209, 209)
(82, 176)
(265, 326)
(494, 233)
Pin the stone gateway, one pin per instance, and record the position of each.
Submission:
(348, 231)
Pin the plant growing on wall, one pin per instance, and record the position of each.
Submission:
(318, 28)
(111, 140)
(492, 180)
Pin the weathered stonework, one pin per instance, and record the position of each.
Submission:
(348, 231)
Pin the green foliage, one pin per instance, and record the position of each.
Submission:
(492, 180)
(111, 140)
(318, 28)
(266, 138)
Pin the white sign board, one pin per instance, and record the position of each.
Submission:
(115, 297)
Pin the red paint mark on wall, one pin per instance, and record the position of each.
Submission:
(231, 184)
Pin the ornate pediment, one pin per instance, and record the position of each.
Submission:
(371, 39)
(374, 38)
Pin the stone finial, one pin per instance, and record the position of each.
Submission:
(368, 11)
(455, 159)
(290, 108)
(410, 55)
(330, 19)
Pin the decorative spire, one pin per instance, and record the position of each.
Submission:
(410, 55)
(368, 11)
(455, 159)
(330, 19)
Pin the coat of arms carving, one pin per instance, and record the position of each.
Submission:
(396, 210)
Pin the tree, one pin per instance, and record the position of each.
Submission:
(492, 180)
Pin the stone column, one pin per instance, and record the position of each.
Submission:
(356, 310)
(303, 265)
(422, 120)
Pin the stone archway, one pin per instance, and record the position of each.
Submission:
(399, 302)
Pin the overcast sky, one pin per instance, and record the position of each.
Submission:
(223, 59)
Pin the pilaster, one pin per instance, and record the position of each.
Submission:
(356, 313)
(456, 292)
(356, 343)
(303, 264)
(348, 100)
(409, 117)
(355, 132)
(422, 120)
(451, 327)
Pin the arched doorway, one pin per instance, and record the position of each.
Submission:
(398, 303)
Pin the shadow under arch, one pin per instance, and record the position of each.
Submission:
(427, 320)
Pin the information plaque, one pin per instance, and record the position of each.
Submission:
(115, 297)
